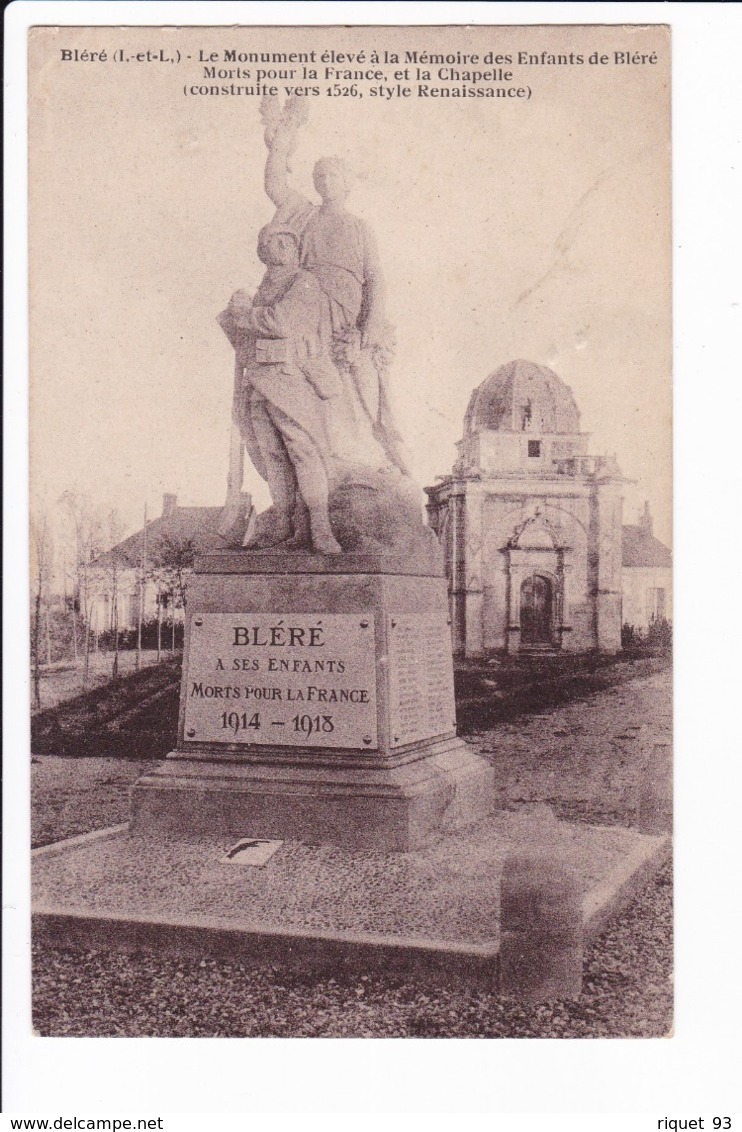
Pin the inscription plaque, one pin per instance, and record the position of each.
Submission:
(281, 679)
(421, 698)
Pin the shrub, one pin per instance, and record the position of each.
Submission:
(656, 638)
(659, 634)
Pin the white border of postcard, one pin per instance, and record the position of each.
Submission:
(686, 1076)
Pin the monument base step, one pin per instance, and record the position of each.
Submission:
(432, 914)
(386, 809)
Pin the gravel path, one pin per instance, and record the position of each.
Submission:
(582, 758)
(72, 796)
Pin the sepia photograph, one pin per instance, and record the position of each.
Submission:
(351, 589)
(371, 422)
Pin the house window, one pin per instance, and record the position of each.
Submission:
(655, 604)
(133, 609)
(534, 447)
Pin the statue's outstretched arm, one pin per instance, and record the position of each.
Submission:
(281, 128)
(277, 170)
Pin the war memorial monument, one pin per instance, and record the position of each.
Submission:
(317, 697)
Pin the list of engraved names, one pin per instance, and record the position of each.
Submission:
(420, 679)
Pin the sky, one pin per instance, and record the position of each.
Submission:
(535, 229)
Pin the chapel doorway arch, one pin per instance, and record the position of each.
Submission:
(536, 612)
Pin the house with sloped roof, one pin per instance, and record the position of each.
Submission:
(150, 570)
(646, 566)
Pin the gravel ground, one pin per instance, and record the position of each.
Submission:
(582, 758)
(71, 796)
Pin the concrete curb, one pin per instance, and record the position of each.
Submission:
(360, 953)
(604, 903)
(82, 839)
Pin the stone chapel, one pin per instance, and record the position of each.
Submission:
(530, 523)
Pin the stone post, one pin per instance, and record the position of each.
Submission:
(541, 937)
(654, 811)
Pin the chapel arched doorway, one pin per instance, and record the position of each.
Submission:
(536, 612)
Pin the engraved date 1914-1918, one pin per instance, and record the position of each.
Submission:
(306, 724)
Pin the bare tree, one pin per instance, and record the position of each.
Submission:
(172, 560)
(85, 528)
(142, 578)
(116, 562)
(41, 570)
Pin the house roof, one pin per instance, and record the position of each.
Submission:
(183, 524)
(641, 548)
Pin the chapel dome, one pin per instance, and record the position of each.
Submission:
(522, 397)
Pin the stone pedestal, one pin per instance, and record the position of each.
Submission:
(316, 705)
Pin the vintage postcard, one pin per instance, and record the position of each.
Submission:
(351, 568)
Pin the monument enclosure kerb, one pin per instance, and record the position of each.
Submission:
(317, 692)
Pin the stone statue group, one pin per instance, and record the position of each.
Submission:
(312, 349)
